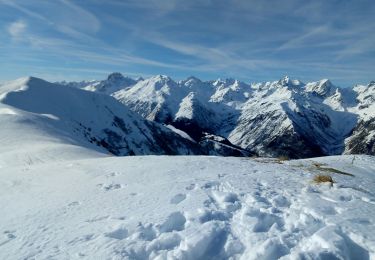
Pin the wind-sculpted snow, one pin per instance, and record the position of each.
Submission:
(285, 117)
(160, 207)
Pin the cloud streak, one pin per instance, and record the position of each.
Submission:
(17, 28)
(245, 39)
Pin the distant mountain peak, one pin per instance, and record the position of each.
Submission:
(225, 82)
(115, 76)
(326, 82)
(288, 82)
(285, 80)
(322, 87)
(161, 77)
(192, 79)
(31, 81)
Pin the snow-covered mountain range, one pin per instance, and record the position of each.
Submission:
(43, 117)
(285, 117)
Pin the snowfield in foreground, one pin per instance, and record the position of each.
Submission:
(197, 207)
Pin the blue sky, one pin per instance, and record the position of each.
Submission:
(248, 40)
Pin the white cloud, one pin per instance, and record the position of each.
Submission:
(17, 28)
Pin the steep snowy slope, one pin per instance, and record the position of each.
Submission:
(288, 118)
(159, 207)
(186, 104)
(182, 104)
(148, 98)
(41, 115)
(363, 138)
(194, 118)
(266, 124)
(230, 91)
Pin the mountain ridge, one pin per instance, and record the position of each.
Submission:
(41, 116)
(274, 118)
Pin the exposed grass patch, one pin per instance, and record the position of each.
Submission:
(264, 160)
(321, 178)
(282, 158)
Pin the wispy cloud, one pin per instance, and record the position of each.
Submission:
(62, 15)
(17, 28)
(246, 39)
(75, 23)
(24, 10)
(103, 54)
(305, 38)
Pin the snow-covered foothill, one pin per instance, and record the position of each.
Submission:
(46, 116)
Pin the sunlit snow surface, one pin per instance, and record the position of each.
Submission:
(186, 208)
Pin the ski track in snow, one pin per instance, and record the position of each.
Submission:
(185, 208)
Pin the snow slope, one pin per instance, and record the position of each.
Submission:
(363, 138)
(287, 117)
(284, 117)
(161, 207)
(38, 115)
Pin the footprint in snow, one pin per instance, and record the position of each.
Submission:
(109, 187)
(344, 198)
(264, 221)
(211, 185)
(280, 201)
(227, 201)
(9, 234)
(82, 239)
(190, 187)
(112, 174)
(176, 199)
(96, 219)
(119, 233)
(146, 232)
(174, 222)
(74, 203)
